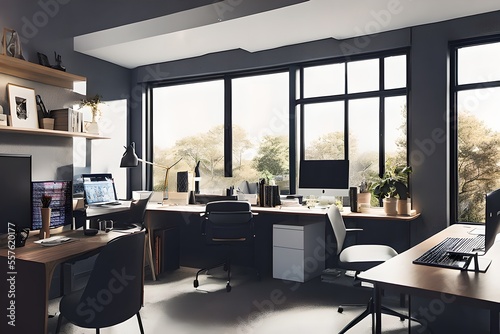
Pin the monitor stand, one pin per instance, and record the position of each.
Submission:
(477, 264)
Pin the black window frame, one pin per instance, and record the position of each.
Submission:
(455, 88)
(295, 153)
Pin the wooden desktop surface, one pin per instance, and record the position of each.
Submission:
(33, 271)
(374, 213)
(476, 289)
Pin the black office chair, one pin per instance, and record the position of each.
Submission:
(114, 291)
(228, 223)
(135, 218)
(359, 258)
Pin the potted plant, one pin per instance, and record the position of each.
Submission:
(365, 195)
(94, 104)
(391, 187)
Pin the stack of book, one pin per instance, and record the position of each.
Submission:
(68, 119)
(330, 275)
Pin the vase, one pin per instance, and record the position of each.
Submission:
(48, 123)
(364, 200)
(93, 126)
(45, 231)
(402, 207)
(390, 206)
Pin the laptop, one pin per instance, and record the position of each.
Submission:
(99, 189)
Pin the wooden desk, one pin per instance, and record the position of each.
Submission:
(476, 289)
(378, 228)
(32, 274)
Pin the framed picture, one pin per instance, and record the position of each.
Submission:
(22, 104)
(11, 44)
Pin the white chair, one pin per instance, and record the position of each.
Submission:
(359, 258)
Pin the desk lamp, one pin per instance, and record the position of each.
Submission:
(130, 159)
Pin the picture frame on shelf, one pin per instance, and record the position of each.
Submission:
(23, 112)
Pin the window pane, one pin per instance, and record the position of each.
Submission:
(363, 139)
(324, 131)
(478, 150)
(395, 129)
(260, 129)
(362, 76)
(192, 129)
(478, 63)
(324, 80)
(395, 72)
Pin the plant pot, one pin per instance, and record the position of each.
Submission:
(45, 231)
(364, 198)
(403, 207)
(48, 123)
(92, 128)
(390, 206)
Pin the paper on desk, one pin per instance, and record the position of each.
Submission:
(53, 241)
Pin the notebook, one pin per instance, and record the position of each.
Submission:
(99, 189)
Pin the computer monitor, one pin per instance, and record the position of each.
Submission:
(492, 224)
(99, 189)
(61, 203)
(324, 178)
(15, 194)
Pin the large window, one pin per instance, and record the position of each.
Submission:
(355, 110)
(476, 126)
(189, 122)
(248, 126)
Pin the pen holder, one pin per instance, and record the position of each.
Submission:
(45, 231)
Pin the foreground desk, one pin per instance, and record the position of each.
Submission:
(379, 228)
(29, 278)
(475, 289)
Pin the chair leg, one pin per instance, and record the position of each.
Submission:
(59, 322)
(355, 321)
(140, 322)
(97, 331)
(149, 253)
(228, 285)
(196, 283)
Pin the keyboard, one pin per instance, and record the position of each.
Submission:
(450, 252)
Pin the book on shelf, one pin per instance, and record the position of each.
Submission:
(68, 119)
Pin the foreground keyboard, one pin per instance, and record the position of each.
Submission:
(447, 253)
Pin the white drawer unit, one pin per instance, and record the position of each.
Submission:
(298, 251)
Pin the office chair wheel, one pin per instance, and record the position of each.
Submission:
(340, 309)
(228, 287)
(196, 283)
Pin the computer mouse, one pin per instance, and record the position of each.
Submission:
(90, 231)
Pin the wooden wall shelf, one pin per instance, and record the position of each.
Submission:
(35, 72)
(55, 133)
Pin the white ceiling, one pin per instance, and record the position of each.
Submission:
(227, 25)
